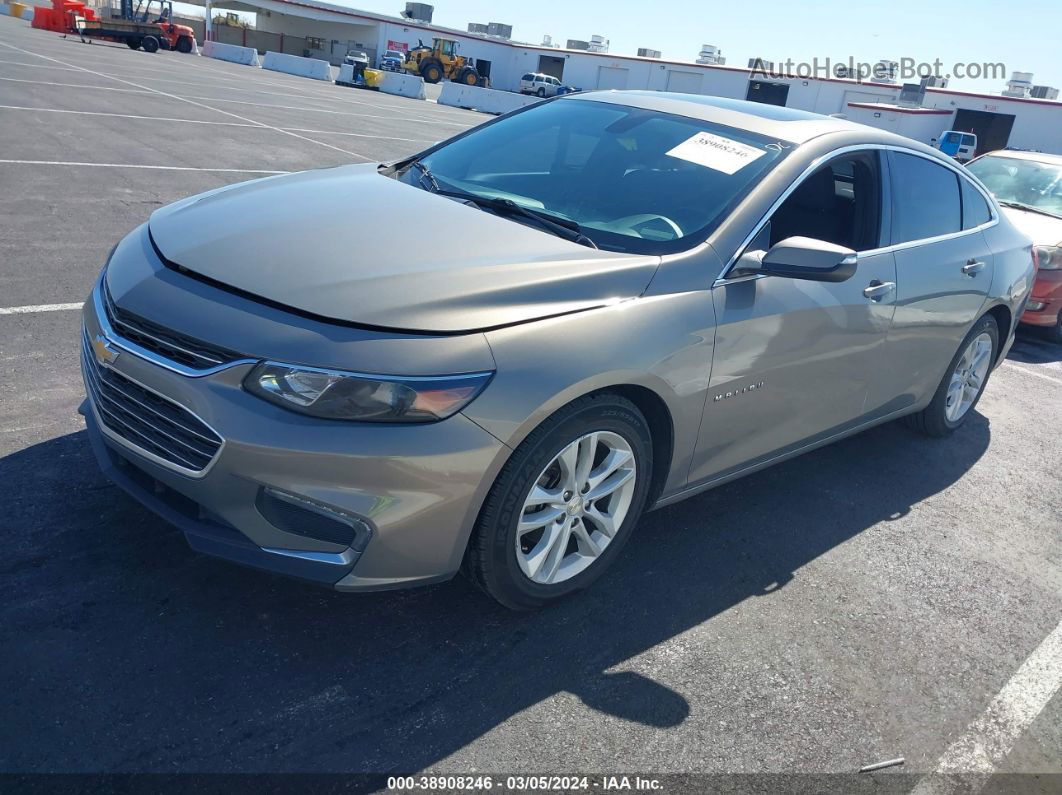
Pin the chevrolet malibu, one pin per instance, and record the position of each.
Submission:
(602, 304)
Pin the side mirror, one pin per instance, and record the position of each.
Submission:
(802, 258)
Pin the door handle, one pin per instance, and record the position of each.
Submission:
(973, 267)
(878, 290)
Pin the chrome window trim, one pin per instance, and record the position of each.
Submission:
(143, 353)
(159, 460)
(820, 161)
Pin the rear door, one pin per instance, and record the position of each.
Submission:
(943, 270)
(795, 360)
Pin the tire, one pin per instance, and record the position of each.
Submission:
(132, 44)
(184, 45)
(493, 560)
(150, 44)
(934, 420)
(431, 72)
(541, 93)
(469, 77)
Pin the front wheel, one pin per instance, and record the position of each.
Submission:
(564, 504)
(963, 383)
(184, 45)
(150, 44)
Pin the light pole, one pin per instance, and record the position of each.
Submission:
(208, 34)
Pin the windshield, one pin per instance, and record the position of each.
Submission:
(633, 180)
(1030, 183)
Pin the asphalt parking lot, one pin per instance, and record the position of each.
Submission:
(875, 599)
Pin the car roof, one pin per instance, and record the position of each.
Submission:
(1018, 154)
(787, 124)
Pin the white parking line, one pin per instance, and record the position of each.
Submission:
(323, 110)
(991, 737)
(1029, 371)
(29, 310)
(203, 121)
(190, 102)
(137, 165)
(72, 85)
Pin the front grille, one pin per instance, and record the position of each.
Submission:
(147, 420)
(166, 343)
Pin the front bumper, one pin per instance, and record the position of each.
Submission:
(417, 488)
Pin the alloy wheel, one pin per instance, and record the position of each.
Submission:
(968, 377)
(575, 507)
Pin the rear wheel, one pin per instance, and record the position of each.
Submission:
(564, 504)
(431, 72)
(184, 44)
(150, 44)
(132, 44)
(541, 92)
(1055, 332)
(963, 383)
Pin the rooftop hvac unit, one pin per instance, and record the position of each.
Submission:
(420, 12)
(578, 44)
(646, 52)
(1019, 84)
(500, 30)
(1043, 92)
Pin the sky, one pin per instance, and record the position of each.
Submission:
(1021, 34)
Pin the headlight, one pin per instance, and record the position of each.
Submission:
(1049, 257)
(337, 395)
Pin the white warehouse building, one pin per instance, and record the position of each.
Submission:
(998, 121)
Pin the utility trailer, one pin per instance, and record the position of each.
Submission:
(139, 28)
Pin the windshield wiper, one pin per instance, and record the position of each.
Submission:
(561, 227)
(1031, 208)
(426, 176)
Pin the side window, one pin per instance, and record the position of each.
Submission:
(975, 209)
(968, 140)
(840, 203)
(952, 138)
(925, 199)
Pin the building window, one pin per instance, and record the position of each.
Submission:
(314, 43)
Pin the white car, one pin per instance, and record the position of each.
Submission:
(539, 84)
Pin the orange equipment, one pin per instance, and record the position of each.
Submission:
(62, 16)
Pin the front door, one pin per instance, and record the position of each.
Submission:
(795, 360)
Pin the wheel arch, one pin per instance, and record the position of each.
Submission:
(1004, 320)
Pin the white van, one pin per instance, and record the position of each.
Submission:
(539, 84)
(958, 144)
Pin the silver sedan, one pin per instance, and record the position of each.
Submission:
(496, 355)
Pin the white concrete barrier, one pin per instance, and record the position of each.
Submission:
(5, 10)
(487, 100)
(297, 65)
(248, 56)
(403, 85)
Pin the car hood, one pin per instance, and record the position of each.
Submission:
(352, 245)
(1043, 229)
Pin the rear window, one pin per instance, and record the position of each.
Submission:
(952, 138)
(968, 140)
(635, 180)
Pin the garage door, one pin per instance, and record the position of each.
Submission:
(611, 77)
(684, 82)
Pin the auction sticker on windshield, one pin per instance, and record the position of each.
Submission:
(716, 152)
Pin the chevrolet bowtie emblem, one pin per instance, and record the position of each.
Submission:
(101, 347)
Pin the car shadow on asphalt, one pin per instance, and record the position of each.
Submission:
(127, 651)
(1032, 346)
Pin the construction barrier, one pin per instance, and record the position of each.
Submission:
(297, 65)
(487, 100)
(402, 84)
(248, 56)
(5, 9)
(17, 9)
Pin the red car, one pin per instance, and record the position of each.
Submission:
(1028, 186)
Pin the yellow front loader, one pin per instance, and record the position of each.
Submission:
(441, 60)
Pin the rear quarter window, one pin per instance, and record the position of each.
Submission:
(925, 198)
(975, 210)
